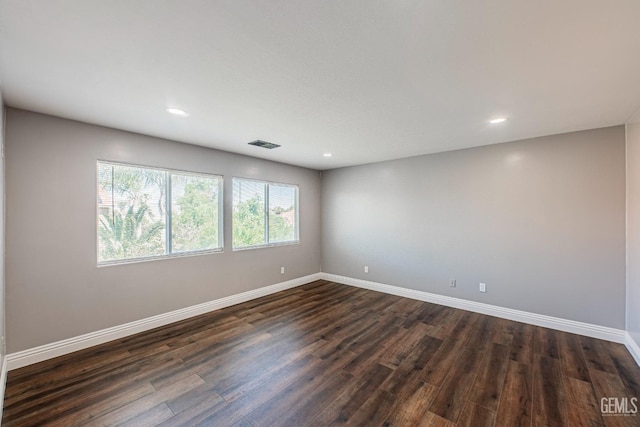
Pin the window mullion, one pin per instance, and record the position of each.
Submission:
(168, 213)
(266, 214)
(221, 193)
(296, 204)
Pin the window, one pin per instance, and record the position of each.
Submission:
(144, 212)
(264, 213)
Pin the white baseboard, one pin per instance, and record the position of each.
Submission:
(3, 384)
(59, 348)
(595, 331)
(633, 348)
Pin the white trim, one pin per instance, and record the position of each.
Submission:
(590, 330)
(3, 384)
(59, 348)
(633, 348)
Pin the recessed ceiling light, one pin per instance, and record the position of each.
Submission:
(177, 112)
(498, 120)
(327, 154)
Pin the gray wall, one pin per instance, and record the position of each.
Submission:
(55, 290)
(633, 231)
(541, 222)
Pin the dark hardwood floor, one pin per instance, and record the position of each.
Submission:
(329, 354)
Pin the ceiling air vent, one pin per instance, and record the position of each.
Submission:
(264, 144)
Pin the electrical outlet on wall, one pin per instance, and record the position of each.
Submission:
(483, 287)
(281, 270)
(452, 283)
(366, 268)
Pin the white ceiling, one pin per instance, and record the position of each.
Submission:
(366, 80)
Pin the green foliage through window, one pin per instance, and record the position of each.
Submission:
(137, 206)
(264, 213)
(194, 213)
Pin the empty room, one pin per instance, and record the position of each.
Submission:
(319, 213)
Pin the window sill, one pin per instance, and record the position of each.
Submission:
(159, 257)
(270, 245)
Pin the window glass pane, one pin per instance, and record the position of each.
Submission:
(248, 213)
(194, 213)
(282, 213)
(131, 212)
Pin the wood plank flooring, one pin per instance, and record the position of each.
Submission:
(329, 354)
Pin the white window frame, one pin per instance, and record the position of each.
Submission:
(168, 232)
(296, 241)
